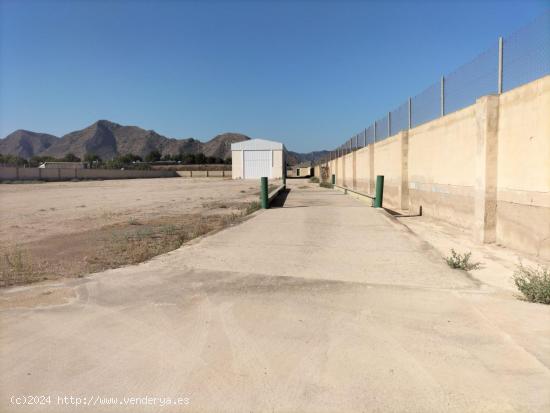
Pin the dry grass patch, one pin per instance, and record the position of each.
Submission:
(111, 246)
(17, 267)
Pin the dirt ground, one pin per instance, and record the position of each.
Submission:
(57, 229)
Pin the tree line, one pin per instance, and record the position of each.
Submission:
(121, 161)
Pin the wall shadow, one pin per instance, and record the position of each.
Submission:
(280, 199)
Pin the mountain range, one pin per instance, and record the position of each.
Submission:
(108, 140)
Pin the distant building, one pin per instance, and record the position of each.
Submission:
(64, 165)
(256, 158)
(301, 170)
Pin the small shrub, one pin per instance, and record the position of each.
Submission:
(326, 185)
(133, 221)
(461, 261)
(314, 180)
(533, 283)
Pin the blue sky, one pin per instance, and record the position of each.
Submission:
(307, 73)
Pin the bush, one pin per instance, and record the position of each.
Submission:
(461, 261)
(326, 185)
(92, 159)
(533, 283)
(314, 180)
(71, 157)
(200, 158)
(153, 156)
(12, 160)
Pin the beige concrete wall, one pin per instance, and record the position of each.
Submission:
(523, 177)
(362, 172)
(485, 168)
(317, 171)
(305, 171)
(340, 170)
(348, 170)
(10, 173)
(387, 162)
(441, 167)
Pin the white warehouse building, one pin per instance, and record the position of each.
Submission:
(255, 158)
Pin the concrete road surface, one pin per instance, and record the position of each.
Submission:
(324, 305)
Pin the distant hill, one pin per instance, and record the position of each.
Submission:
(26, 144)
(108, 140)
(294, 158)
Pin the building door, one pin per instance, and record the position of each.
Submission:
(257, 164)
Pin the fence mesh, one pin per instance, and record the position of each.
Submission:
(370, 134)
(400, 119)
(427, 105)
(526, 57)
(526, 53)
(476, 78)
(382, 128)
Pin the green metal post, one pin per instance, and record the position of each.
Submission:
(333, 179)
(379, 191)
(263, 192)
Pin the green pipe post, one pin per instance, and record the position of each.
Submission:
(333, 179)
(379, 191)
(263, 192)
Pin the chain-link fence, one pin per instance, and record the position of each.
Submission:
(511, 62)
(381, 128)
(526, 54)
(399, 119)
(426, 106)
(370, 134)
(476, 78)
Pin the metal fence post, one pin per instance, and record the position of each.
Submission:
(410, 113)
(442, 96)
(263, 192)
(379, 191)
(389, 124)
(500, 66)
(374, 132)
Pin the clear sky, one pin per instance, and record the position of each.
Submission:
(309, 73)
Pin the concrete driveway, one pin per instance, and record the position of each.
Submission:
(324, 305)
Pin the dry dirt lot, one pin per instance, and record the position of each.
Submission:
(48, 230)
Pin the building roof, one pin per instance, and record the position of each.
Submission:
(257, 145)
